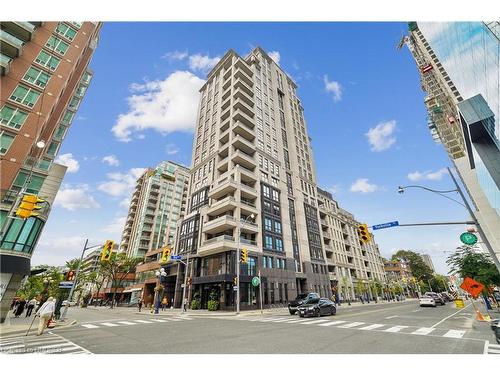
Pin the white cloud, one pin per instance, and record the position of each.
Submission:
(427, 175)
(111, 160)
(171, 149)
(333, 87)
(335, 189)
(202, 63)
(75, 197)
(121, 184)
(116, 226)
(125, 202)
(381, 137)
(361, 185)
(275, 55)
(68, 161)
(165, 106)
(175, 55)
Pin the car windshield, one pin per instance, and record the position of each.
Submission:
(301, 296)
(312, 301)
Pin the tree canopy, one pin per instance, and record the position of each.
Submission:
(419, 268)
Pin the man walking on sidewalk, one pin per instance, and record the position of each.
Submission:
(45, 313)
(31, 306)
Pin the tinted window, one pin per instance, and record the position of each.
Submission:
(301, 296)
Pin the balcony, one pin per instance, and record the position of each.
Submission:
(244, 73)
(220, 224)
(217, 244)
(225, 104)
(221, 206)
(224, 187)
(326, 234)
(239, 83)
(5, 64)
(223, 165)
(243, 106)
(248, 191)
(245, 160)
(239, 115)
(243, 95)
(247, 208)
(244, 130)
(10, 45)
(244, 144)
(21, 30)
(224, 136)
(223, 151)
(246, 174)
(248, 227)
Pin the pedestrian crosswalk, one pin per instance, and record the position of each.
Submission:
(124, 323)
(362, 326)
(48, 343)
(492, 348)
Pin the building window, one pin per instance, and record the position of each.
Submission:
(25, 96)
(57, 45)
(36, 77)
(12, 117)
(34, 185)
(268, 243)
(52, 150)
(47, 60)
(66, 31)
(279, 244)
(268, 224)
(277, 227)
(5, 142)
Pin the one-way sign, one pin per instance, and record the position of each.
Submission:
(385, 225)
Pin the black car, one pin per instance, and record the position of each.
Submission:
(317, 307)
(436, 298)
(446, 297)
(495, 327)
(299, 300)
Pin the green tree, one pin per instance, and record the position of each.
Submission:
(417, 265)
(116, 270)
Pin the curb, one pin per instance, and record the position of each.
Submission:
(24, 329)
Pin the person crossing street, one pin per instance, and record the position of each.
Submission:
(45, 313)
(31, 306)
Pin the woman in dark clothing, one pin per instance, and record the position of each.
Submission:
(20, 307)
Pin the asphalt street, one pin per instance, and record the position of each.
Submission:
(395, 328)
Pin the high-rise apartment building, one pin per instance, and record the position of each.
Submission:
(428, 260)
(253, 185)
(157, 203)
(459, 69)
(44, 76)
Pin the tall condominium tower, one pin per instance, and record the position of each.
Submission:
(156, 206)
(44, 76)
(428, 260)
(459, 69)
(253, 185)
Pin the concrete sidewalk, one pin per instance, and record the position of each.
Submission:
(21, 324)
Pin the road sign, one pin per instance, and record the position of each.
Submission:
(235, 288)
(472, 286)
(468, 238)
(65, 284)
(175, 257)
(255, 281)
(385, 225)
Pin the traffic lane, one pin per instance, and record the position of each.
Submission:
(218, 336)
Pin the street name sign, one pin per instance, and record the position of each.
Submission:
(255, 281)
(385, 225)
(175, 257)
(65, 284)
(468, 238)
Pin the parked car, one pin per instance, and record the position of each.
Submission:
(495, 327)
(446, 297)
(299, 300)
(436, 297)
(317, 307)
(427, 301)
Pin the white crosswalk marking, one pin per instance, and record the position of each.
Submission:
(296, 320)
(493, 349)
(47, 344)
(454, 333)
(107, 324)
(423, 331)
(315, 321)
(143, 321)
(332, 323)
(127, 323)
(89, 326)
(370, 327)
(351, 325)
(395, 329)
(159, 320)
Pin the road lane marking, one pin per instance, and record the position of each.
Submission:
(455, 313)
(350, 325)
(158, 320)
(296, 320)
(332, 323)
(454, 333)
(315, 321)
(395, 329)
(143, 321)
(273, 319)
(393, 316)
(89, 326)
(109, 324)
(370, 327)
(127, 323)
(423, 331)
(417, 310)
(287, 320)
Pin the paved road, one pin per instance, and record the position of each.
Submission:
(377, 328)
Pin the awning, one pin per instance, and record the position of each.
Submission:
(132, 290)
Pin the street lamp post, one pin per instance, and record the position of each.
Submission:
(238, 263)
(457, 189)
(159, 274)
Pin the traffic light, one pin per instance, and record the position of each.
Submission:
(165, 254)
(189, 280)
(107, 250)
(244, 256)
(70, 275)
(235, 281)
(363, 233)
(28, 207)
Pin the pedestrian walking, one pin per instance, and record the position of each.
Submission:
(164, 303)
(31, 306)
(20, 307)
(185, 304)
(45, 313)
(139, 304)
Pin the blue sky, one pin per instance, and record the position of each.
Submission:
(351, 79)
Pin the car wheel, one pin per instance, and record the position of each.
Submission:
(334, 311)
(291, 312)
(318, 313)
